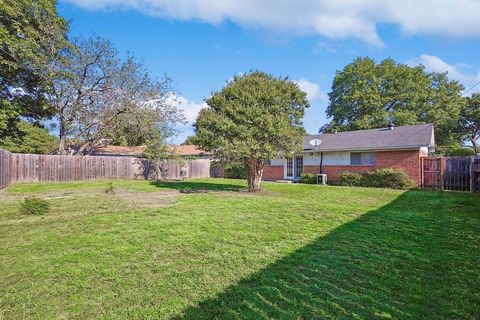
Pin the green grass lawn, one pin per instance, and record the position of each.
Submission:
(206, 249)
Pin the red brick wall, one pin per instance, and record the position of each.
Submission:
(407, 161)
(271, 173)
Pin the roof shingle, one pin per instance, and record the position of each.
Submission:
(401, 137)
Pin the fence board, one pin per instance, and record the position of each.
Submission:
(57, 168)
(5, 169)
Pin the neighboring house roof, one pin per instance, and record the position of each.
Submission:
(402, 137)
(182, 150)
(120, 151)
(189, 150)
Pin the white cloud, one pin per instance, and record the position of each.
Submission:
(435, 64)
(314, 94)
(190, 109)
(341, 19)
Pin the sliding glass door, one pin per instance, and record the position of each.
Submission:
(298, 166)
(293, 167)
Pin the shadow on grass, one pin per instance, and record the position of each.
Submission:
(415, 258)
(197, 186)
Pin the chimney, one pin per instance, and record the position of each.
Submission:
(391, 126)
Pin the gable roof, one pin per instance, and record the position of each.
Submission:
(402, 137)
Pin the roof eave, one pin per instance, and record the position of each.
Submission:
(411, 147)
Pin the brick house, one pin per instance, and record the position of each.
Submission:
(360, 151)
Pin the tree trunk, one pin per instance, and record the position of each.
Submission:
(158, 169)
(254, 175)
(61, 142)
(82, 149)
(62, 136)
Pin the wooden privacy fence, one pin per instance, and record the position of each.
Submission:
(452, 173)
(52, 168)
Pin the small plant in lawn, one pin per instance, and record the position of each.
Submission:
(34, 205)
(110, 188)
(308, 178)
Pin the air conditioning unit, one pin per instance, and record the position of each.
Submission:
(322, 178)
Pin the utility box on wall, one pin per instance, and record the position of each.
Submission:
(322, 178)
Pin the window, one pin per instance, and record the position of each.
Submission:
(362, 158)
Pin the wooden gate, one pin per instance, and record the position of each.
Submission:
(432, 173)
(453, 173)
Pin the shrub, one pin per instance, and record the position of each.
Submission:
(379, 178)
(388, 178)
(235, 171)
(110, 188)
(352, 179)
(308, 178)
(34, 205)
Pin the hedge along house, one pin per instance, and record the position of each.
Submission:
(400, 148)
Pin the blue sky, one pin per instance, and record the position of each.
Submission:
(201, 44)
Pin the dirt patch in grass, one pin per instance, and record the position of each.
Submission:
(148, 199)
(68, 205)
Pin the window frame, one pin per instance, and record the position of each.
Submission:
(364, 157)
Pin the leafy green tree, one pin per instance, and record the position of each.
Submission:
(190, 140)
(29, 138)
(159, 153)
(32, 37)
(370, 95)
(254, 118)
(469, 122)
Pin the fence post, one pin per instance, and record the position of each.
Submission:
(472, 173)
(422, 172)
(442, 168)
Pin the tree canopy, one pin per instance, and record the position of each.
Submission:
(254, 118)
(29, 138)
(101, 98)
(366, 94)
(469, 122)
(32, 36)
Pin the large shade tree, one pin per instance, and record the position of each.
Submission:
(99, 97)
(32, 38)
(366, 94)
(254, 118)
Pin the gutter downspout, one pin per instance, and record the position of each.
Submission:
(321, 162)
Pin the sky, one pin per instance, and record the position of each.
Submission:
(201, 44)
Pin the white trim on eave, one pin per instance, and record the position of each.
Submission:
(367, 149)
